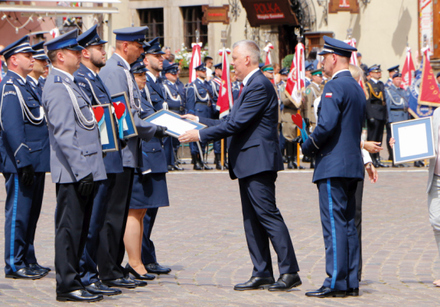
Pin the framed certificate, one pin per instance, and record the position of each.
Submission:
(414, 140)
(107, 128)
(175, 124)
(126, 127)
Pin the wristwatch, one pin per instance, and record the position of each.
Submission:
(368, 165)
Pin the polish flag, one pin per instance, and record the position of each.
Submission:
(408, 70)
(195, 60)
(224, 101)
(268, 49)
(297, 74)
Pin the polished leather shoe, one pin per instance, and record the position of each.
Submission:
(286, 282)
(80, 295)
(327, 292)
(140, 283)
(37, 265)
(38, 269)
(120, 283)
(25, 273)
(254, 283)
(156, 268)
(353, 292)
(136, 275)
(99, 288)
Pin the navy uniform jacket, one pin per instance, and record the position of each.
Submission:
(397, 103)
(198, 100)
(75, 150)
(376, 106)
(235, 87)
(215, 87)
(173, 98)
(41, 82)
(252, 123)
(182, 91)
(114, 77)
(98, 93)
(24, 135)
(336, 139)
(153, 154)
(34, 86)
(156, 91)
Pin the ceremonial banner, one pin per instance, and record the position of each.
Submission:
(106, 126)
(224, 101)
(195, 61)
(429, 92)
(126, 126)
(268, 49)
(408, 70)
(415, 109)
(354, 59)
(297, 74)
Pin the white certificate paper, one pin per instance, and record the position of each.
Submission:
(413, 140)
(174, 124)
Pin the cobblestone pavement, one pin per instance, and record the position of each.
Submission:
(200, 236)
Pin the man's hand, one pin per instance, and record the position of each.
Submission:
(392, 142)
(372, 147)
(27, 175)
(189, 136)
(190, 117)
(160, 132)
(372, 172)
(86, 185)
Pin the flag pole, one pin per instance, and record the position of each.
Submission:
(299, 39)
(222, 141)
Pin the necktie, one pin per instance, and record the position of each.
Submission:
(241, 88)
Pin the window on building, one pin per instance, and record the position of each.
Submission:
(153, 18)
(192, 21)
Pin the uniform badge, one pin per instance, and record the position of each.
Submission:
(9, 93)
(58, 79)
(67, 80)
(328, 95)
(90, 76)
(307, 91)
(20, 81)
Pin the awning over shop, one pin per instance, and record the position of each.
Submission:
(58, 9)
(269, 12)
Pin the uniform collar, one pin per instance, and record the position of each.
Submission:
(338, 72)
(153, 77)
(249, 75)
(66, 73)
(203, 81)
(123, 60)
(24, 79)
(374, 80)
(33, 79)
(93, 73)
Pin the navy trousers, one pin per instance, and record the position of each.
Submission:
(169, 149)
(22, 210)
(263, 222)
(337, 206)
(148, 249)
(89, 259)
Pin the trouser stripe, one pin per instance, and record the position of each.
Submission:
(332, 225)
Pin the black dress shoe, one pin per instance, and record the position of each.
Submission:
(156, 268)
(286, 282)
(353, 292)
(80, 295)
(136, 275)
(99, 288)
(254, 283)
(327, 292)
(380, 164)
(25, 273)
(207, 167)
(39, 266)
(38, 269)
(140, 283)
(120, 283)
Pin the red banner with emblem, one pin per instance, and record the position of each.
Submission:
(224, 101)
(408, 70)
(297, 75)
(429, 94)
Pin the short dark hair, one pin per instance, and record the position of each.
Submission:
(207, 58)
(52, 55)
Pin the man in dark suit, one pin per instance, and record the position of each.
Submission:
(255, 158)
(338, 168)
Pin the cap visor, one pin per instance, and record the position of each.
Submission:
(323, 52)
(75, 48)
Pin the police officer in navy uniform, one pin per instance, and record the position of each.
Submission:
(215, 84)
(174, 100)
(338, 168)
(198, 102)
(397, 105)
(87, 78)
(150, 192)
(308, 78)
(76, 163)
(155, 91)
(376, 111)
(117, 77)
(25, 160)
(391, 72)
(41, 61)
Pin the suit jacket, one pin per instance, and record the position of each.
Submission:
(75, 151)
(252, 123)
(435, 126)
(153, 153)
(335, 140)
(98, 94)
(114, 77)
(23, 142)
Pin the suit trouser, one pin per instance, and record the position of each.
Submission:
(22, 210)
(148, 249)
(89, 259)
(72, 218)
(337, 208)
(263, 222)
(169, 150)
(111, 245)
(358, 220)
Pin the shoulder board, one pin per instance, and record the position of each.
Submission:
(10, 81)
(80, 74)
(58, 79)
(82, 84)
(120, 64)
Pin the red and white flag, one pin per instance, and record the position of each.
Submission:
(297, 75)
(224, 101)
(268, 49)
(195, 60)
(408, 70)
(354, 59)
(429, 94)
